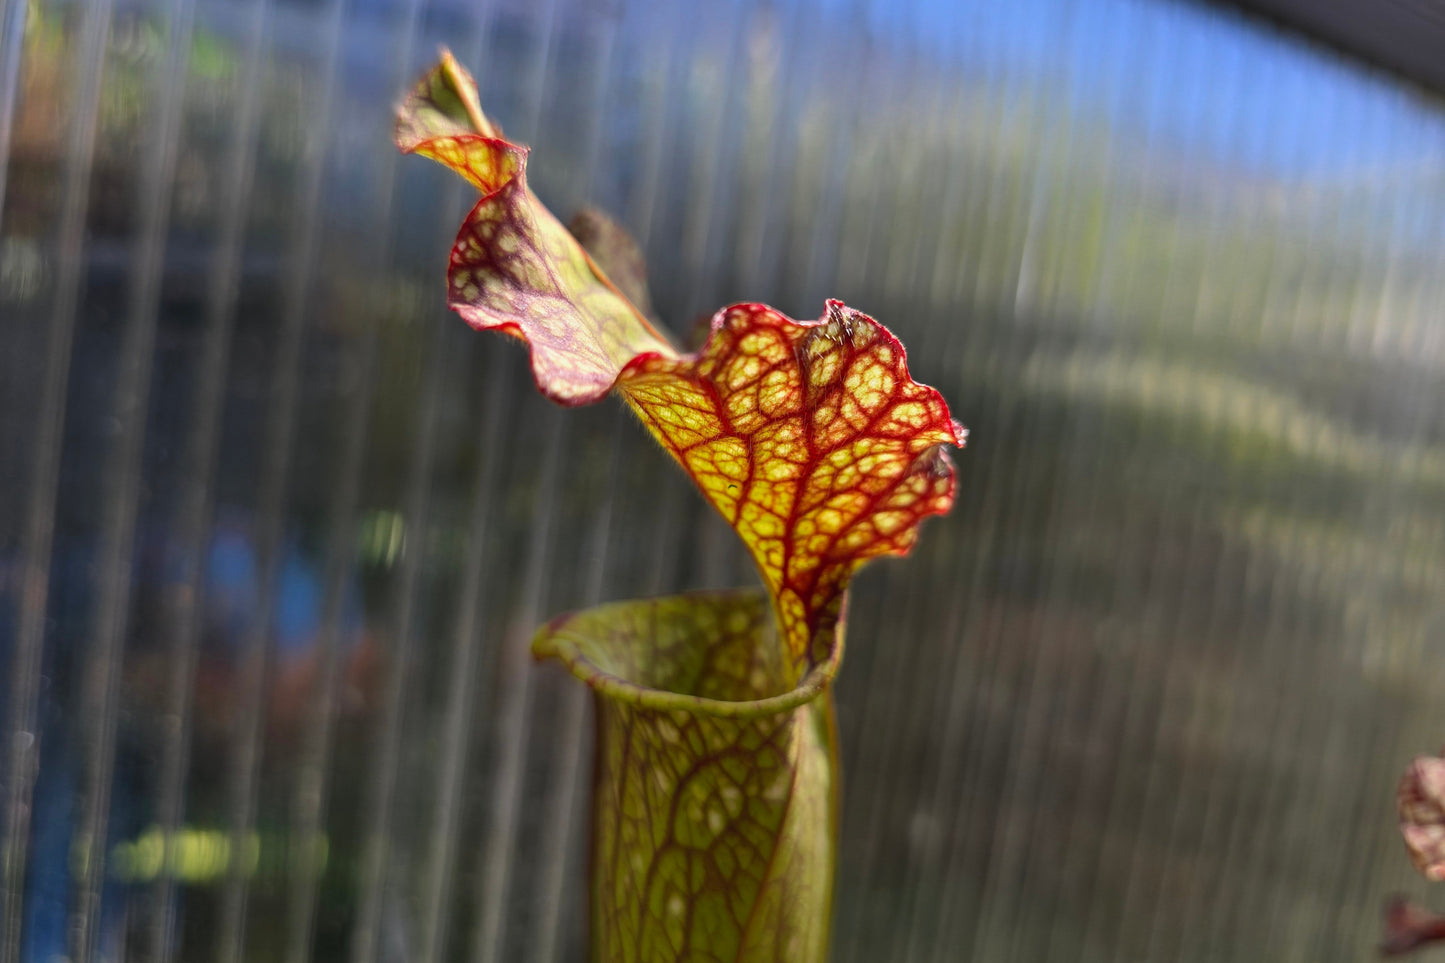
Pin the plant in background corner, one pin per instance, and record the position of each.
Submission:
(1420, 803)
(715, 810)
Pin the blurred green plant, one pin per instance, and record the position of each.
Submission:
(715, 813)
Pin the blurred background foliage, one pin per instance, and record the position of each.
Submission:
(275, 527)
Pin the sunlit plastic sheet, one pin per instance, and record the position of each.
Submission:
(275, 529)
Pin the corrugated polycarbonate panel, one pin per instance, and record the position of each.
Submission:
(275, 527)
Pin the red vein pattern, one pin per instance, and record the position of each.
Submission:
(713, 824)
(715, 810)
(812, 441)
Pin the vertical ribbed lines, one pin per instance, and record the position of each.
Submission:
(187, 603)
(511, 727)
(12, 35)
(102, 674)
(278, 440)
(23, 742)
(465, 682)
(1143, 695)
(340, 636)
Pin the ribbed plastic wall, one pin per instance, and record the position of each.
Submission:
(275, 527)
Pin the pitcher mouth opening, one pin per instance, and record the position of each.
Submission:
(727, 663)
